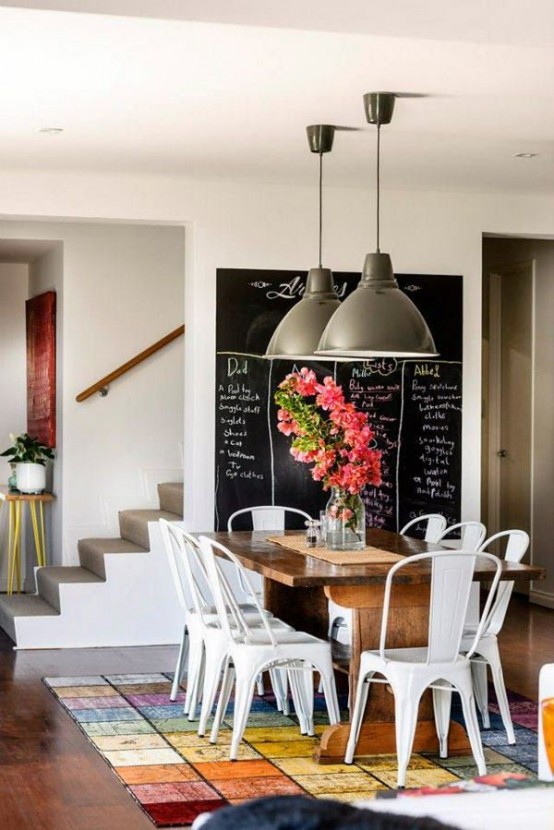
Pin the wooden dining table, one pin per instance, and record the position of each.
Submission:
(297, 588)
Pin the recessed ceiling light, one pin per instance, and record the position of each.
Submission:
(51, 130)
(525, 155)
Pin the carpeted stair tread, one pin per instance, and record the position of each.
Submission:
(22, 605)
(49, 580)
(171, 497)
(133, 524)
(92, 551)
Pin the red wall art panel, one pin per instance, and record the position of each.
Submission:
(41, 367)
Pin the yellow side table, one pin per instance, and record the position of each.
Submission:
(16, 502)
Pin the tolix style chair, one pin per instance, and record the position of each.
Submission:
(439, 665)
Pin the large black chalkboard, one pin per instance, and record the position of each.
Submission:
(414, 406)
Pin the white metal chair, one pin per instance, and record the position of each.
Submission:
(253, 650)
(434, 523)
(268, 517)
(409, 671)
(201, 638)
(486, 650)
(264, 517)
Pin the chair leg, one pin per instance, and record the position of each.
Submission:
(298, 694)
(194, 676)
(260, 688)
(223, 702)
(502, 697)
(442, 704)
(279, 685)
(212, 675)
(356, 717)
(304, 677)
(244, 692)
(481, 690)
(405, 716)
(472, 725)
(180, 666)
(330, 692)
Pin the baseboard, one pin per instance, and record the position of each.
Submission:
(542, 598)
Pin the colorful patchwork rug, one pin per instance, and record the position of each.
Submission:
(174, 775)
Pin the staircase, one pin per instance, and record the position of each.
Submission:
(121, 594)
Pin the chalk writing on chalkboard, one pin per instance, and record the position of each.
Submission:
(414, 406)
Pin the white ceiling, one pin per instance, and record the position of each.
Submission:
(172, 88)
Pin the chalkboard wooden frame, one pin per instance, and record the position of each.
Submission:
(415, 406)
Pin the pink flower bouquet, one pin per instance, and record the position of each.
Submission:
(330, 434)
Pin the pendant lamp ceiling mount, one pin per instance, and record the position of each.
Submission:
(298, 334)
(379, 107)
(321, 137)
(377, 319)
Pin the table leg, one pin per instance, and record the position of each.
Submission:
(14, 547)
(306, 609)
(42, 534)
(38, 532)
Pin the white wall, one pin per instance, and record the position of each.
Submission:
(122, 291)
(14, 287)
(271, 226)
(14, 290)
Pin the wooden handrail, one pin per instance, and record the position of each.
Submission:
(155, 347)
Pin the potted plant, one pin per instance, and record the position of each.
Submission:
(29, 456)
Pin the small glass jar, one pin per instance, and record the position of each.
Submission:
(312, 533)
(345, 521)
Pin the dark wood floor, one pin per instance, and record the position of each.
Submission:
(52, 779)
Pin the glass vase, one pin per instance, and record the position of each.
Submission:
(345, 521)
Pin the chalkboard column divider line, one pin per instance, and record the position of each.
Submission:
(398, 450)
(215, 497)
(269, 401)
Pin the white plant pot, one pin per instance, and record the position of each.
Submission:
(30, 478)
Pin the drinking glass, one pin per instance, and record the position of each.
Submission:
(322, 528)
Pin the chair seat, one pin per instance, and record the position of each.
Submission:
(405, 655)
(254, 623)
(246, 608)
(283, 637)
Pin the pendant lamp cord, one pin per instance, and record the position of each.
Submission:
(378, 181)
(320, 205)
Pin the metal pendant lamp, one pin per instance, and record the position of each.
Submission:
(299, 332)
(377, 319)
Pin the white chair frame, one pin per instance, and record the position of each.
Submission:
(253, 650)
(436, 525)
(440, 666)
(265, 517)
(202, 638)
(486, 650)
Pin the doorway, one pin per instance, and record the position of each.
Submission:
(509, 375)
